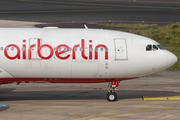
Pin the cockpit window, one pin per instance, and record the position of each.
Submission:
(155, 47)
(151, 48)
(148, 47)
(160, 47)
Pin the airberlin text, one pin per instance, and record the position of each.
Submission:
(57, 52)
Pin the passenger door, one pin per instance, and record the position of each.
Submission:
(120, 49)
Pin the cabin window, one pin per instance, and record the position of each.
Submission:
(155, 48)
(91, 49)
(102, 49)
(54, 49)
(70, 49)
(12, 48)
(75, 49)
(59, 49)
(80, 49)
(65, 49)
(7, 48)
(96, 49)
(106, 49)
(2, 48)
(148, 47)
(23, 49)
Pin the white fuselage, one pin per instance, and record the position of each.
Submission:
(77, 55)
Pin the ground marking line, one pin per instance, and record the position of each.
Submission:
(161, 97)
(132, 112)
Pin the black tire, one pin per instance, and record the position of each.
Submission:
(111, 96)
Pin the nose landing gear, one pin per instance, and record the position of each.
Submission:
(111, 95)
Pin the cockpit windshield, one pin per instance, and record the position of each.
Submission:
(148, 47)
(153, 47)
(160, 47)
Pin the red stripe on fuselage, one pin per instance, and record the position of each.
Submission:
(61, 80)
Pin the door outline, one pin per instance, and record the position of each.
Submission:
(123, 40)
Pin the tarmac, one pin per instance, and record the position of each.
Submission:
(91, 11)
(45, 101)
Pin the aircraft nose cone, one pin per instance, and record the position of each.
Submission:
(172, 59)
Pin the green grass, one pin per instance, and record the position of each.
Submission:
(135, 26)
(168, 36)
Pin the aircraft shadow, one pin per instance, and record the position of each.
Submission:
(6, 90)
(78, 94)
(3, 109)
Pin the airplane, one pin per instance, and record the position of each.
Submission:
(61, 55)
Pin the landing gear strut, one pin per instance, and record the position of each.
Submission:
(111, 95)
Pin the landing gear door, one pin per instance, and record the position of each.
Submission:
(33, 49)
(120, 49)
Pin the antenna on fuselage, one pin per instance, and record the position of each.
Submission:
(85, 26)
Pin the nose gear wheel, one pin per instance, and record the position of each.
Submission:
(111, 96)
